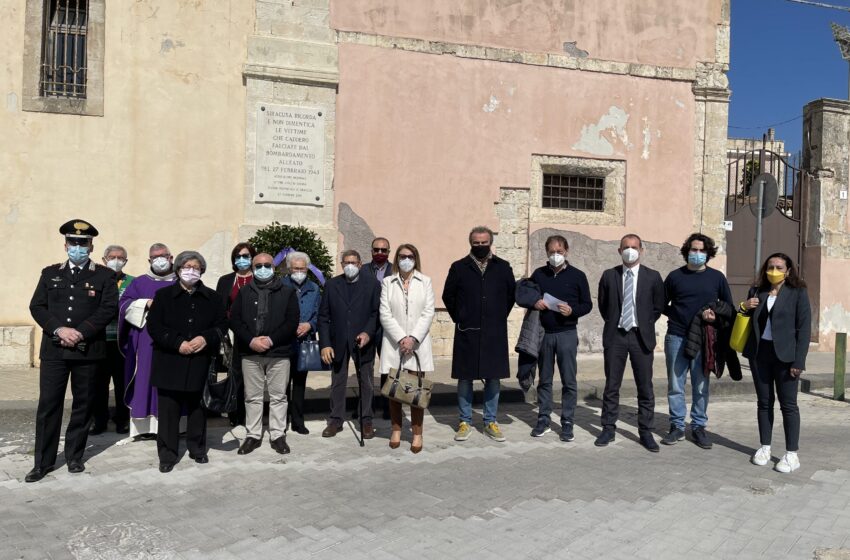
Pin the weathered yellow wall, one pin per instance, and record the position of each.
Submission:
(164, 163)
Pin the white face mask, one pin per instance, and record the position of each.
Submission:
(630, 255)
(351, 271)
(406, 265)
(160, 265)
(116, 264)
(189, 276)
(298, 277)
(556, 259)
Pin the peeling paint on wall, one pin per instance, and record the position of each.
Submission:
(834, 319)
(647, 139)
(491, 105)
(12, 214)
(571, 48)
(593, 136)
(12, 102)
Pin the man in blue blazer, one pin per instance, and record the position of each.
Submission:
(631, 299)
(348, 321)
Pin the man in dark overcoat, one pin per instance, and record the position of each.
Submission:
(479, 295)
(73, 303)
(348, 320)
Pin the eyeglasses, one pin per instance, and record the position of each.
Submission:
(480, 243)
(258, 266)
(190, 267)
(406, 258)
(243, 256)
(380, 250)
(164, 256)
(355, 263)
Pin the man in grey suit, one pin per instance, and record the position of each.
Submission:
(631, 299)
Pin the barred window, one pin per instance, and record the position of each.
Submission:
(63, 54)
(573, 192)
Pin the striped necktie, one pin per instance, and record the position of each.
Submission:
(627, 317)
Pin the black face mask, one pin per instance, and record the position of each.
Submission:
(480, 251)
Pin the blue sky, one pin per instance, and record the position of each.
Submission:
(782, 57)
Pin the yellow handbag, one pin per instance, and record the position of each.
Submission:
(740, 332)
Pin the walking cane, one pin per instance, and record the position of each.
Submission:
(356, 359)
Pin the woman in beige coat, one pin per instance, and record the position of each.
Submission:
(407, 310)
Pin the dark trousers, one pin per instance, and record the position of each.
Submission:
(769, 372)
(53, 381)
(561, 348)
(295, 396)
(628, 345)
(171, 403)
(237, 418)
(339, 381)
(111, 369)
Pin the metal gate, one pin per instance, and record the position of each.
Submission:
(781, 230)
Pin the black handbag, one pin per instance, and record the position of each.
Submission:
(310, 357)
(220, 394)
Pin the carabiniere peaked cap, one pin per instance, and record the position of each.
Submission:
(78, 228)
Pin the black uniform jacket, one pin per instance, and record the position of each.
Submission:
(177, 316)
(88, 303)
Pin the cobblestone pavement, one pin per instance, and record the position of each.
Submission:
(526, 498)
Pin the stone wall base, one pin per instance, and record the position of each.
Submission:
(16, 345)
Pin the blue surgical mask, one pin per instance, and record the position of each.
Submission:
(242, 263)
(78, 254)
(697, 259)
(263, 274)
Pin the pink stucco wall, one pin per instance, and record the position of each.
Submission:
(454, 131)
(662, 32)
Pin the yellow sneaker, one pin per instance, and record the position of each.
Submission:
(463, 432)
(494, 432)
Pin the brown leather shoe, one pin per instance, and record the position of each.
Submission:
(331, 430)
(368, 431)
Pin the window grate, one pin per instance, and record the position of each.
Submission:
(573, 192)
(63, 51)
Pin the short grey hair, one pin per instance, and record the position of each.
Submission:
(111, 248)
(186, 256)
(350, 253)
(481, 229)
(297, 256)
(157, 247)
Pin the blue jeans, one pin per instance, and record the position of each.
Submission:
(677, 375)
(491, 400)
(561, 348)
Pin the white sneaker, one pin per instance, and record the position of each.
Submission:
(762, 456)
(788, 463)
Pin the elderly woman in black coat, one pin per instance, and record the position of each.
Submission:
(184, 322)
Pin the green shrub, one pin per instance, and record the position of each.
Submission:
(272, 238)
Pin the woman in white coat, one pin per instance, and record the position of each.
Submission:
(407, 310)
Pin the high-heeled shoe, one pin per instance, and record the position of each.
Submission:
(416, 448)
(395, 443)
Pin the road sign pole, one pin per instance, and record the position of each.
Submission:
(759, 218)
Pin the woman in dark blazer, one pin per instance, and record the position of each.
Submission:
(184, 323)
(227, 288)
(776, 349)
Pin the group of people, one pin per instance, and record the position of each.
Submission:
(156, 336)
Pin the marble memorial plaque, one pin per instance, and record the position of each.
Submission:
(290, 156)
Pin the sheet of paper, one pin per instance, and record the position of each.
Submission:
(552, 302)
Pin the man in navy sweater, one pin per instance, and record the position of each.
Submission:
(689, 289)
(560, 341)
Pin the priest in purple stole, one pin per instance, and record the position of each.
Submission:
(136, 343)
